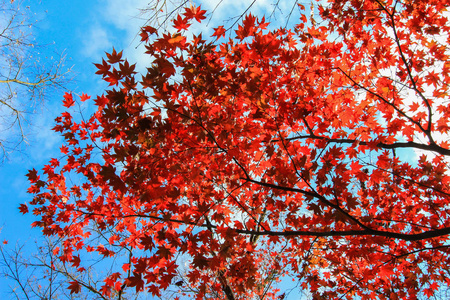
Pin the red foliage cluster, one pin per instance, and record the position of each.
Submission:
(274, 153)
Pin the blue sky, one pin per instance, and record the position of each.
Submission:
(82, 31)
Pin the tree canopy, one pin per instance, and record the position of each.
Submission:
(317, 152)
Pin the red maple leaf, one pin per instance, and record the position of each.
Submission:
(219, 32)
(74, 287)
(114, 56)
(101, 101)
(68, 100)
(84, 97)
(32, 175)
(23, 208)
(103, 68)
(195, 12)
(181, 23)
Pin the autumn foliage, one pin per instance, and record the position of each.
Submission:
(318, 153)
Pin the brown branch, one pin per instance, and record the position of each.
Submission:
(27, 83)
(221, 274)
(367, 232)
(312, 194)
(298, 233)
(431, 147)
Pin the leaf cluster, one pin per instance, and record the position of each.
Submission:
(277, 152)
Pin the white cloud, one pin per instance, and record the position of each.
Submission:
(96, 42)
(124, 15)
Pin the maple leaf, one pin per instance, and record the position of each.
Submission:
(247, 28)
(23, 208)
(200, 262)
(177, 39)
(144, 36)
(219, 32)
(32, 175)
(126, 267)
(74, 287)
(195, 12)
(135, 281)
(84, 97)
(164, 252)
(147, 242)
(149, 29)
(68, 100)
(146, 32)
(64, 149)
(114, 57)
(103, 68)
(126, 69)
(181, 23)
(113, 77)
(101, 101)
(109, 173)
(76, 261)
